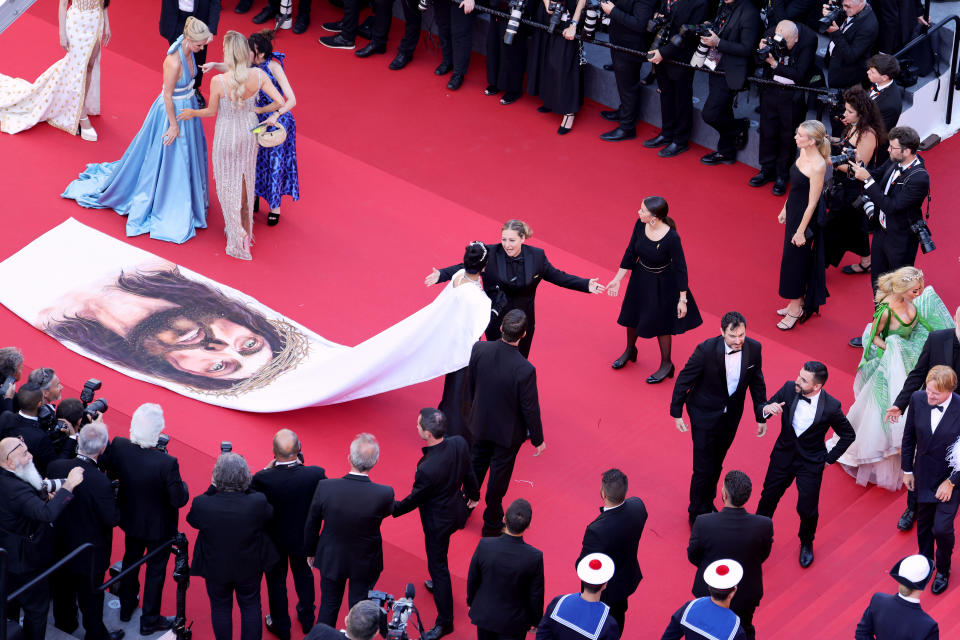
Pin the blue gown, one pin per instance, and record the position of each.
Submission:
(163, 190)
(277, 166)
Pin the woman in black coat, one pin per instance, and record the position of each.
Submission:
(513, 272)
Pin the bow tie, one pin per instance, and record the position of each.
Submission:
(733, 351)
(875, 87)
(939, 408)
(805, 399)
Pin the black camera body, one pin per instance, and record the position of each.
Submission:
(92, 407)
(513, 22)
(774, 46)
(556, 15)
(226, 446)
(7, 383)
(656, 23)
(922, 232)
(394, 625)
(162, 441)
(834, 14)
(865, 204)
(847, 155)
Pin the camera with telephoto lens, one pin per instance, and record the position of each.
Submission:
(656, 23)
(52, 485)
(92, 407)
(834, 14)
(699, 30)
(8, 382)
(922, 231)
(847, 155)
(162, 441)
(865, 204)
(556, 10)
(395, 615)
(225, 446)
(591, 18)
(423, 5)
(513, 22)
(774, 46)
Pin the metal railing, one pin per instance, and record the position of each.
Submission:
(953, 83)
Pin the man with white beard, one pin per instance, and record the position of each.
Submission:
(27, 509)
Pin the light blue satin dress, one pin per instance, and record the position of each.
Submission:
(163, 190)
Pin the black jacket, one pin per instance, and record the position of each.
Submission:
(798, 11)
(151, 489)
(941, 347)
(350, 510)
(810, 445)
(890, 103)
(702, 384)
(616, 532)
(207, 11)
(738, 42)
(441, 473)
(683, 12)
(289, 490)
(903, 204)
(503, 385)
(90, 517)
(505, 585)
(799, 65)
(25, 519)
(890, 617)
(37, 440)
(924, 453)
(847, 65)
(735, 534)
(628, 22)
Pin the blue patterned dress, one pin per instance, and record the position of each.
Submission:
(277, 166)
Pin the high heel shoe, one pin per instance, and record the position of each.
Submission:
(273, 218)
(786, 324)
(566, 124)
(782, 312)
(89, 133)
(655, 379)
(630, 355)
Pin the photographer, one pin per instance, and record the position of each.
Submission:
(628, 28)
(49, 383)
(882, 70)
(850, 44)
(791, 48)
(151, 492)
(507, 62)
(736, 31)
(362, 623)
(25, 517)
(675, 82)
(25, 424)
(11, 368)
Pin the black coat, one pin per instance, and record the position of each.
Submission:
(37, 440)
(810, 445)
(442, 472)
(739, 37)
(503, 385)
(799, 65)
(924, 454)
(25, 519)
(628, 22)
(232, 543)
(151, 489)
(616, 532)
(890, 617)
(505, 585)
(903, 204)
(90, 517)
(289, 490)
(847, 65)
(702, 384)
(941, 347)
(683, 12)
(350, 510)
(890, 103)
(798, 11)
(207, 11)
(735, 534)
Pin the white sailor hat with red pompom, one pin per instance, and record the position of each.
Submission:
(595, 568)
(723, 574)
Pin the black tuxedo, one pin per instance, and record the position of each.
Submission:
(505, 412)
(628, 28)
(172, 20)
(941, 347)
(803, 458)
(715, 414)
(847, 64)
(616, 532)
(289, 489)
(890, 103)
(890, 617)
(924, 454)
(505, 586)
(442, 473)
(349, 546)
(676, 82)
(735, 534)
(34, 437)
(511, 283)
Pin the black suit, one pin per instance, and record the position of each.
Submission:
(735, 534)
(231, 553)
(442, 473)
(505, 412)
(924, 454)
(348, 547)
(505, 587)
(150, 496)
(897, 23)
(676, 82)
(511, 283)
(455, 29)
(714, 413)
(890, 617)
(289, 488)
(628, 28)
(616, 532)
(37, 440)
(90, 517)
(172, 20)
(890, 103)
(507, 62)
(803, 458)
(847, 64)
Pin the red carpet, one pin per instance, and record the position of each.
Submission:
(397, 175)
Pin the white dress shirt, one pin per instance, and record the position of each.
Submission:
(804, 414)
(733, 362)
(186, 6)
(936, 415)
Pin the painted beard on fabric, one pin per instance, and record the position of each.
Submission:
(29, 474)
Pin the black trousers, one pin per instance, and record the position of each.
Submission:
(710, 445)
(627, 70)
(35, 603)
(221, 609)
(781, 112)
(935, 529)
(745, 611)
(411, 32)
(303, 9)
(718, 113)
(331, 597)
(912, 500)
(506, 62)
(437, 545)
(134, 549)
(886, 256)
(618, 611)
(486, 634)
(456, 34)
(199, 57)
(779, 478)
(499, 460)
(70, 589)
(277, 591)
(676, 102)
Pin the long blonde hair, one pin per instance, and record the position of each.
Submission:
(818, 132)
(196, 30)
(236, 54)
(898, 282)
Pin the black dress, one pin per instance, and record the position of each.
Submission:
(554, 72)
(846, 227)
(802, 272)
(659, 275)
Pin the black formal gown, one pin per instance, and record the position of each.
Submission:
(802, 268)
(554, 71)
(659, 275)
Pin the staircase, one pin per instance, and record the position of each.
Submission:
(10, 10)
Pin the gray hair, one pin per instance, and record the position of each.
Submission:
(146, 425)
(364, 452)
(42, 376)
(10, 359)
(363, 620)
(92, 439)
(789, 27)
(231, 473)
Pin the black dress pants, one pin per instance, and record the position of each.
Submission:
(199, 57)
(382, 19)
(886, 256)
(710, 445)
(437, 545)
(70, 589)
(35, 603)
(676, 102)
(627, 71)
(618, 611)
(780, 476)
(456, 34)
(411, 30)
(331, 597)
(221, 609)
(935, 524)
(134, 549)
(303, 9)
(277, 591)
(781, 112)
(499, 460)
(718, 113)
(486, 634)
(505, 62)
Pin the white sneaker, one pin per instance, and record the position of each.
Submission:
(89, 134)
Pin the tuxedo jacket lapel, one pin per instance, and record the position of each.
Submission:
(948, 351)
(947, 427)
(820, 405)
(528, 266)
(502, 264)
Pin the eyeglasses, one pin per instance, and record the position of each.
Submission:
(10, 453)
(893, 148)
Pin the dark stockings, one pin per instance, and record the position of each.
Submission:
(665, 343)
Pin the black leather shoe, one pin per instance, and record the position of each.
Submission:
(717, 158)
(243, 6)
(437, 632)
(907, 518)
(333, 27)
(443, 68)
(940, 583)
(400, 61)
(619, 134)
(283, 635)
(657, 141)
(160, 624)
(654, 378)
(491, 90)
(761, 179)
(301, 23)
(779, 187)
(510, 97)
(365, 30)
(263, 16)
(612, 116)
(126, 614)
(856, 343)
(806, 555)
(673, 149)
(337, 42)
(742, 133)
(428, 585)
(543, 109)
(456, 80)
(369, 50)
(630, 355)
